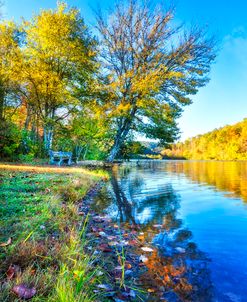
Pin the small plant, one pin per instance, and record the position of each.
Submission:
(122, 261)
(26, 158)
(78, 274)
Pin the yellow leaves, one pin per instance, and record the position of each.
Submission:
(52, 34)
(50, 65)
(143, 82)
(10, 54)
(147, 82)
(139, 86)
(123, 108)
(61, 7)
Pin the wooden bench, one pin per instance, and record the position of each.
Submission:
(57, 157)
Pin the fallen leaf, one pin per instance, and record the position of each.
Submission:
(118, 268)
(113, 243)
(128, 272)
(23, 291)
(111, 238)
(117, 274)
(105, 287)
(157, 226)
(12, 271)
(147, 249)
(94, 229)
(133, 242)
(102, 234)
(141, 237)
(143, 258)
(6, 243)
(134, 232)
(105, 247)
(33, 272)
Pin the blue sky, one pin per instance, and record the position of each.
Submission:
(224, 100)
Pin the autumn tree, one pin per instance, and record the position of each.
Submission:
(226, 143)
(150, 69)
(10, 67)
(10, 98)
(59, 61)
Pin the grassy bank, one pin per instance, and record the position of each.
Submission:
(41, 234)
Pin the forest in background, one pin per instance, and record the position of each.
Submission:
(226, 143)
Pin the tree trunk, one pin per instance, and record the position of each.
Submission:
(48, 137)
(78, 151)
(48, 129)
(114, 151)
(28, 117)
(2, 96)
(121, 135)
(85, 152)
(118, 142)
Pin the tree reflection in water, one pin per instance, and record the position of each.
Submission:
(177, 270)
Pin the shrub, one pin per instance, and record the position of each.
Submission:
(10, 139)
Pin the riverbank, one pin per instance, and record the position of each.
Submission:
(42, 239)
(56, 245)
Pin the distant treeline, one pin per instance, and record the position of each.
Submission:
(226, 143)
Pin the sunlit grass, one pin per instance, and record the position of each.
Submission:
(39, 212)
(49, 169)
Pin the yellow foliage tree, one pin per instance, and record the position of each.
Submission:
(58, 62)
(10, 67)
(151, 69)
(226, 143)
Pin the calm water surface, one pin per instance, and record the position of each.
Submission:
(202, 206)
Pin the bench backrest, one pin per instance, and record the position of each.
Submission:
(60, 154)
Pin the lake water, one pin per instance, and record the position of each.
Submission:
(202, 207)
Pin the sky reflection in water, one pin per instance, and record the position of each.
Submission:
(202, 207)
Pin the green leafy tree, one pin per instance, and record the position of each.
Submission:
(88, 133)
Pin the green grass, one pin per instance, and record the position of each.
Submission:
(38, 211)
